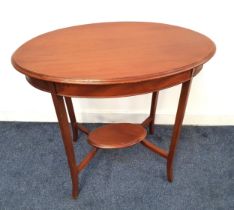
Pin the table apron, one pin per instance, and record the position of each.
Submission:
(113, 90)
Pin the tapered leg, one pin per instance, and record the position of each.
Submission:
(177, 127)
(67, 140)
(152, 111)
(72, 117)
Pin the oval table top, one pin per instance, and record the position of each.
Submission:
(112, 53)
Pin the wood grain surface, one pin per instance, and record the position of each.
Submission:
(117, 135)
(112, 53)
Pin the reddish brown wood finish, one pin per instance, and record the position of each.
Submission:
(154, 101)
(118, 135)
(154, 148)
(72, 116)
(115, 90)
(67, 140)
(83, 129)
(86, 160)
(65, 131)
(177, 126)
(112, 53)
(146, 122)
(113, 60)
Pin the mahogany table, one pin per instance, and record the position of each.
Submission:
(113, 60)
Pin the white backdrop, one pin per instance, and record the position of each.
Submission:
(211, 99)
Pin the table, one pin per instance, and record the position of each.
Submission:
(113, 60)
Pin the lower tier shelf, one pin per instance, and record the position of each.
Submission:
(118, 135)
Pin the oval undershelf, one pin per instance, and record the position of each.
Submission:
(120, 135)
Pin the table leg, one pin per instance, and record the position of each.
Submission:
(177, 126)
(65, 131)
(72, 117)
(74, 124)
(154, 101)
(149, 121)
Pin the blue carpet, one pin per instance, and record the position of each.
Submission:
(34, 173)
